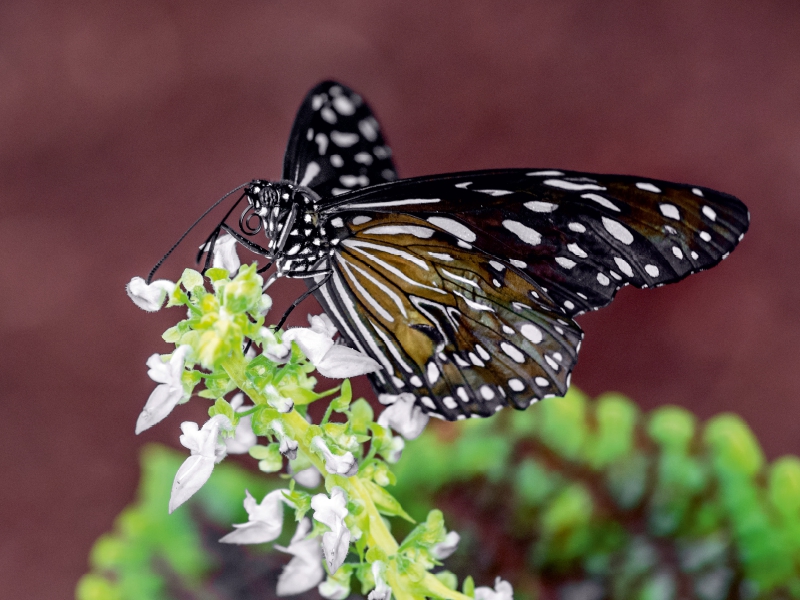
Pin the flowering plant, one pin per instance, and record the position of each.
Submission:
(224, 345)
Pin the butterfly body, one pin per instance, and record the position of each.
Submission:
(464, 286)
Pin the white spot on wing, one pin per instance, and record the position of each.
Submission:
(487, 392)
(523, 232)
(441, 256)
(433, 373)
(322, 143)
(601, 201)
(361, 220)
(343, 105)
(670, 211)
(518, 263)
(454, 227)
(577, 228)
(565, 262)
(697, 192)
(420, 232)
(710, 213)
(648, 187)
(464, 185)
(388, 203)
(618, 230)
(623, 266)
(544, 174)
(572, 186)
(677, 252)
(449, 402)
(363, 158)
(369, 129)
(602, 279)
(494, 192)
(705, 236)
(540, 207)
(337, 161)
(312, 170)
(337, 222)
(652, 270)
(513, 352)
(343, 139)
(516, 385)
(533, 333)
(415, 381)
(498, 266)
(328, 115)
(577, 250)
(542, 382)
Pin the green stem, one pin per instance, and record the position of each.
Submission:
(379, 535)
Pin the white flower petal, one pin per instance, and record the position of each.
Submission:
(309, 477)
(382, 590)
(331, 512)
(502, 591)
(340, 362)
(335, 464)
(314, 345)
(151, 296)
(333, 589)
(444, 549)
(265, 520)
(322, 324)
(404, 416)
(160, 403)
(191, 476)
(225, 256)
(305, 570)
(206, 452)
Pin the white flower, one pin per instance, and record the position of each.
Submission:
(335, 464)
(206, 452)
(331, 512)
(288, 446)
(396, 450)
(243, 437)
(170, 391)
(274, 398)
(305, 570)
(444, 549)
(225, 256)
(382, 590)
(403, 415)
(335, 588)
(265, 520)
(309, 477)
(149, 296)
(502, 591)
(329, 358)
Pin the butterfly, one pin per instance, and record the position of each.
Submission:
(465, 286)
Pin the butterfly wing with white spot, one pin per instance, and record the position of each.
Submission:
(579, 236)
(336, 144)
(433, 315)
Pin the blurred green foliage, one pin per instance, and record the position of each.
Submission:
(574, 498)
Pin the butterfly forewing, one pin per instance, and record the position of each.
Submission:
(460, 330)
(336, 144)
(581, 237)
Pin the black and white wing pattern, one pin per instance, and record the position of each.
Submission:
(464, 286)
(336, 144)
(581, 236)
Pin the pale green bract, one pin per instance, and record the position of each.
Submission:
(225, 316)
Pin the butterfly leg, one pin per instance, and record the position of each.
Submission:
(308, 292)
(245, 242)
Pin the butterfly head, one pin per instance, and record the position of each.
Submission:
(278, 208)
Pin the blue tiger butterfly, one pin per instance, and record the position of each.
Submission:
(465, 286)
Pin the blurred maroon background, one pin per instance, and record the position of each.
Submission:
(122, 122)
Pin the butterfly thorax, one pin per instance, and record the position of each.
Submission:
(299, 241)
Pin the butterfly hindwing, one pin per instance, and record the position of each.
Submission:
(439, 320)
(336, 144)
(580, 236)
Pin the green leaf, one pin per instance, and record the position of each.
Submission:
(191, 279)
(216, 274)
(341, 403)
(272, 459)
(222, 407)
(468, 587)
(385, 502)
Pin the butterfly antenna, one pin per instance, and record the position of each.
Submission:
(176, 244)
